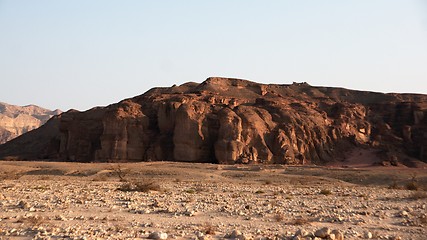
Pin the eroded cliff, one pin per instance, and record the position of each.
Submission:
(225, 120)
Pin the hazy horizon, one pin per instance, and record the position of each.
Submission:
(82, 54)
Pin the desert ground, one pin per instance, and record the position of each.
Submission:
(159, 200)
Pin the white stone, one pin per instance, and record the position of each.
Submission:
(367, 235)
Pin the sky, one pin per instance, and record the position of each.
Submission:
(80, 54)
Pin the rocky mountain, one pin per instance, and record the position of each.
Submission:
(224, 120)
(17, 120)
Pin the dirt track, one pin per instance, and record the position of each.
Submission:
(202, 201)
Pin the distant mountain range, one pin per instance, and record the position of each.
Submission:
(17, 120)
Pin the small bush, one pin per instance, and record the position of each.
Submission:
(394, 185)
(418, 195)
(276, 193)
(45, 177)
(190, 191)
(279, 217)
(10, 176)
(100, 178)
(139, 187)
(300, 221)
(363, 195)
(325, 192)
(412, 186)
(268, 182)
(41, 188)
(120, 172)
(209, 229)
(259, 192)
(189, 200)
(235, 195)
(32, 220)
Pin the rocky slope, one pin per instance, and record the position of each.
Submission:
(225, 120)
(17, 120)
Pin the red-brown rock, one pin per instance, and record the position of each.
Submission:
(225, 120)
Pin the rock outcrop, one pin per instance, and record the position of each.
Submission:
(224, 120)
(17, 120)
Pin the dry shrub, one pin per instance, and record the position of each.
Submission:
(100, 178)
(268, 182)
(235, 195)
(10, 176)
(189, 200)
(118, 228)
(201, 189)
(363, 195)
(412, 186)
(35, 220)
(394, 185)
(325, 192)
(279, 217)
(276, 193)
(120, 172)
(300, 221)
(41, 188)
(418, 195)
(45, 177)
(139, 187)
(209, 229)
(190, 191)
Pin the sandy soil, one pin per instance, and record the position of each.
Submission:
(43, 200)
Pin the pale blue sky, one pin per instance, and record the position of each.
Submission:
(81, 54)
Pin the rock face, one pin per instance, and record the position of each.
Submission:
(16, 120)
(225, 120)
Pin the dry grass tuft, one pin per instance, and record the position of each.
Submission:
(139, 187)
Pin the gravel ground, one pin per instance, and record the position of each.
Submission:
(204, 201)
